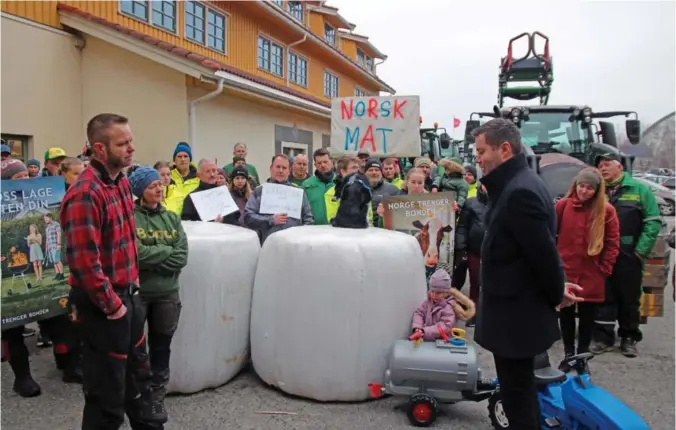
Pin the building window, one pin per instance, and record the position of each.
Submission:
(330, 34)
(330, 85)
(216, 31)
(279, 3)
(270, 56)
(295, 9)
(137, 9)
(361, 58)
(369, 64)
(297, 70)
(194, 21)
(164, 15)
(358, 92)
(18, 145)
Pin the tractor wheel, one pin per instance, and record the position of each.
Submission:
(496, 412)
(422, 410)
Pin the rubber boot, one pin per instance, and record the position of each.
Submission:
(24, 384)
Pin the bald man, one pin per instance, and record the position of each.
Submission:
(299, 170)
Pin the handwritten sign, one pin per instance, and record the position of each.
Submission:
(281, 199)
(384, 126)
(211, 204)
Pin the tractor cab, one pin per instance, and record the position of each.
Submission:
(435, 143)
(568, 130)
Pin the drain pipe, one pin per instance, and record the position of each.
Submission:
(288, 49)
(192, 107)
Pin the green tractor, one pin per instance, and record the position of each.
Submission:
(435, 143)
(559, 140)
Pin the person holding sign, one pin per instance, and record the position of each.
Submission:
(261, 211)
(207, 174)
(162, 254)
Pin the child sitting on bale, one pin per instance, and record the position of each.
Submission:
(444, 305)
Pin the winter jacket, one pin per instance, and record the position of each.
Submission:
(522, 278)
(396, 181)
(264, 223)
(236, 218)
(472, 190)
(453, 180)
(332, 203)
(253, 173)
(315, 188)
(189, 212)
(173, 198)
(469, 232)
(162, 250)
(429, 314)
(184, 186)
(382, 190)
(589, 272)
(639, 216)
(298, 182)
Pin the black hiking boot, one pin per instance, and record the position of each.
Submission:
(25, 386)
(598, 348)
(628, 347)
(151, 410)
(565, 367)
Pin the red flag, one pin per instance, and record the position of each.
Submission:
(456, 122)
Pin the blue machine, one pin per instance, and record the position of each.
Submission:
(572, 402)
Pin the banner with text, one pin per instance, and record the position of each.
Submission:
(34, 272)
(428, 217)
(383, 126)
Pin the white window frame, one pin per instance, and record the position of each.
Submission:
(206, 25)
(279, 3)
(299, 58)
(272, 42)
(148, 19)
(327, 90)
(358, 92)
(326, 38)
(290, 12)
(361, 59)
(304, 148)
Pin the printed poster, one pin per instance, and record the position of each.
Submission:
(34, 272)
(430, 219)
(384, 126)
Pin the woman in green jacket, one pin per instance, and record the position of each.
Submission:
(162, 254)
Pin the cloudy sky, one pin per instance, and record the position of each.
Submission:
(610, 55)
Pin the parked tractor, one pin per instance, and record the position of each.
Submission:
(556, 138)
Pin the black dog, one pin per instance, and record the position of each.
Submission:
(355, 197)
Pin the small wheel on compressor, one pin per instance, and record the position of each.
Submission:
(496, 412)
(422, 410)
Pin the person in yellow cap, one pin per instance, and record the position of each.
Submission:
(53, 158)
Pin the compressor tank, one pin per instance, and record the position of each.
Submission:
(435, 367)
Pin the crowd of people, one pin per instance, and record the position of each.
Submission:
(528, 261)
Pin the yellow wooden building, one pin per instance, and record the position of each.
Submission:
(212, 73)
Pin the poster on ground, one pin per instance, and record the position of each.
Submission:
(383, 126)
(430, 219)
(34, 272)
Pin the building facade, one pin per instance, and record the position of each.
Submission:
(212, 73)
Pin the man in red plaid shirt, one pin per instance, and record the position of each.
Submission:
(97, 215)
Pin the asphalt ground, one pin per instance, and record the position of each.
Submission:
(645, 383)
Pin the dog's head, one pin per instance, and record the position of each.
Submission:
(355, 198)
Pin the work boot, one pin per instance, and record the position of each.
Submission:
(72, 375)
(150, 410)
(598, 348)
(24, 384)
(628, 347)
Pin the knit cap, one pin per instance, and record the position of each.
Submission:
(11, 167)
(422, 161)
(141, 178)
(183, 147)
(33, 162)
(588, 177)
(239, 171)
(373, 162)
(5, 149)
(471, 170)
(440, 281)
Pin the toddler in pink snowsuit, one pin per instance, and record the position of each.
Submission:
(437, 309)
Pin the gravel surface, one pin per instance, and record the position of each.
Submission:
(645, 383)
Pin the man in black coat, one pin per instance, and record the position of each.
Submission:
(521, 272)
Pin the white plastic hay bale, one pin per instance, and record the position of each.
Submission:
(328, 305)
(211, 343)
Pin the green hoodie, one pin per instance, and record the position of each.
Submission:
(162, 250)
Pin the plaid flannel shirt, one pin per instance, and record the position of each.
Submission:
(97, 215)
(52, 232)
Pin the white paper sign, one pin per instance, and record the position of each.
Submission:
(384, 126)
(213, 203)
(280, 199)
